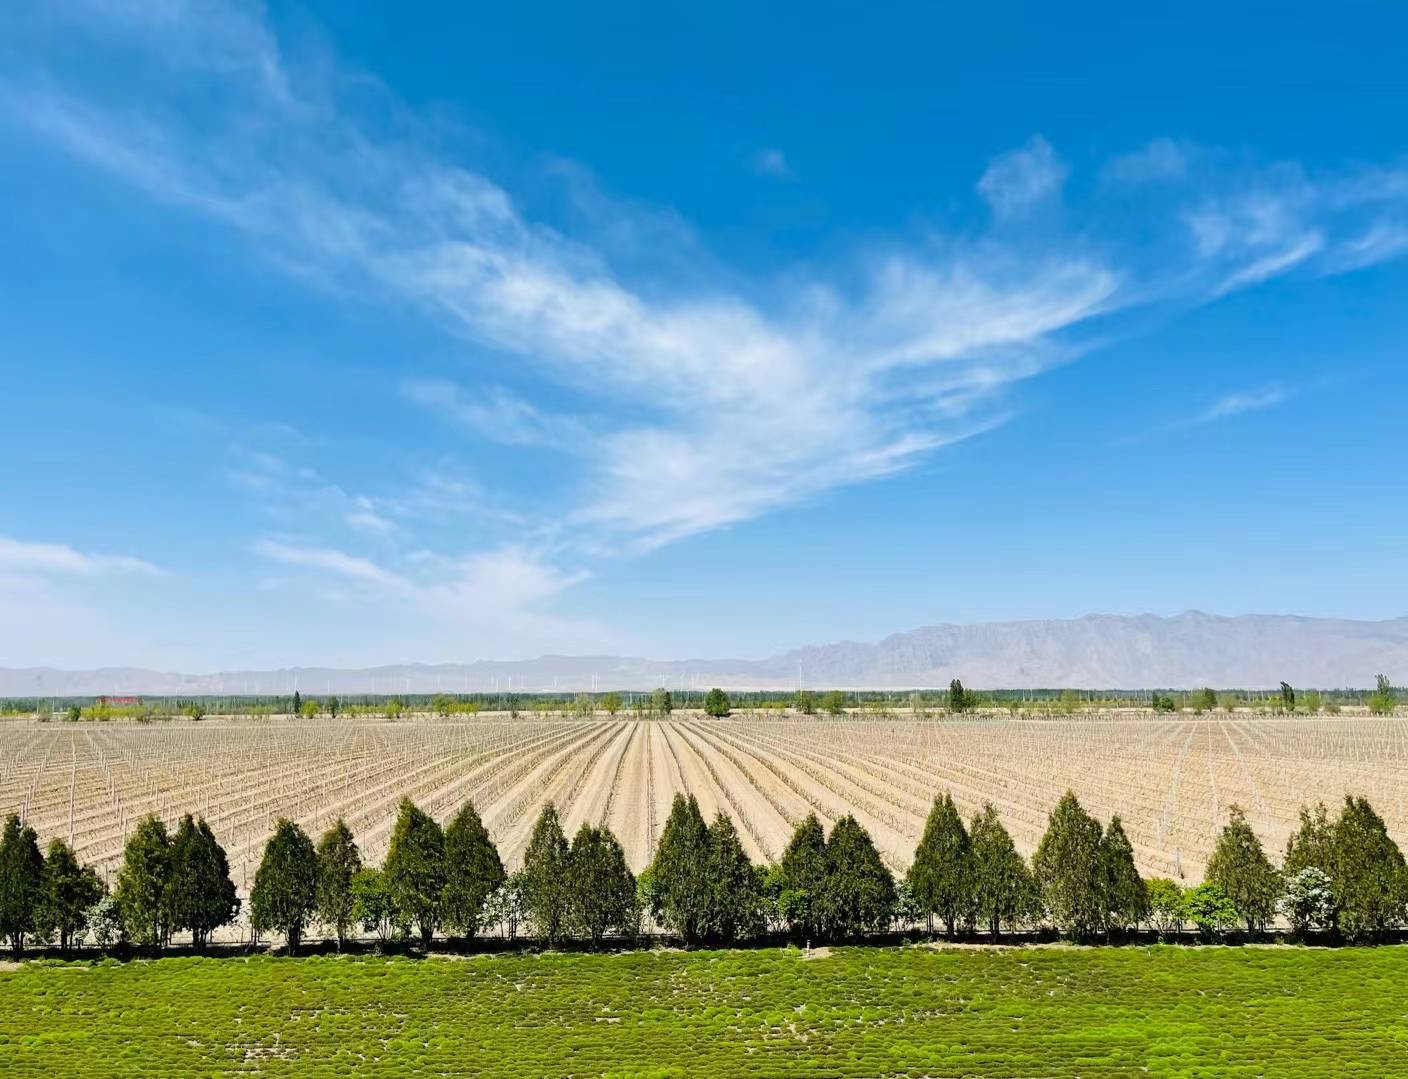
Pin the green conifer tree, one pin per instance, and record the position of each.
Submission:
(339, 862)
(415, 869)
(473, 872)
(285, 893)
(546, 894)
(1240, 868)
(940, 878)
(1068, 869)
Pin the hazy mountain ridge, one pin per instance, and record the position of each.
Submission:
(1096, 651)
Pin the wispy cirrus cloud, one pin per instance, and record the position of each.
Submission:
(720, 397)
(497, 414)
(329, 560)
(719, 407)
(1235, 404)
(505, 592)
(61, 560)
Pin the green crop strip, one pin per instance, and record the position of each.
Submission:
(1158, 1011)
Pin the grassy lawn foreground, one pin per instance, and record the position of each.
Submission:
(1156, 1011)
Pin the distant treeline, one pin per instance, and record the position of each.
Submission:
(1283, 699)
(1342, 877)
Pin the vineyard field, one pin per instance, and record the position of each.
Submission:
(1171, 780)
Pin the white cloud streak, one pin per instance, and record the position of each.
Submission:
(1235, 404)
(720, 400)
(497, 414)
(59, 560)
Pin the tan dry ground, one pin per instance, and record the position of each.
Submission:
(1171, 780)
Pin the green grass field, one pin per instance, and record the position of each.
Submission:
(1159, 1011)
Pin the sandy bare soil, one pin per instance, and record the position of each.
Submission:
(1170, 779)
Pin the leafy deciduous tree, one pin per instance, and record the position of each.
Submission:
(1209, 909)
(1309, 899)
(716, 703)
(1166, 905)
(371, 903)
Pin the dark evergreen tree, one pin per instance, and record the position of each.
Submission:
(1367, 875)
(717, 704)
(735, 898)
(859, 894)
(1003, 889)
(941, 877)
(473, 872)
(67, 892)
(21, 882)
(142, 881)
(1240, 868)
(1126, 897)
(1312, 846)
(546, 893)
(1067, 868)
(415, 869)
(801, 878)
(958, 698)
(200, 896)
(679, 889)
(339, 862)
(297, 709)
(285, 894)
(601, 887)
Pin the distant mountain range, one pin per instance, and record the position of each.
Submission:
(1097, 651)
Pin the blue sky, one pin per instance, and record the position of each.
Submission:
(342, 333)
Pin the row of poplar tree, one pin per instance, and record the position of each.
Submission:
(1345, 875)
